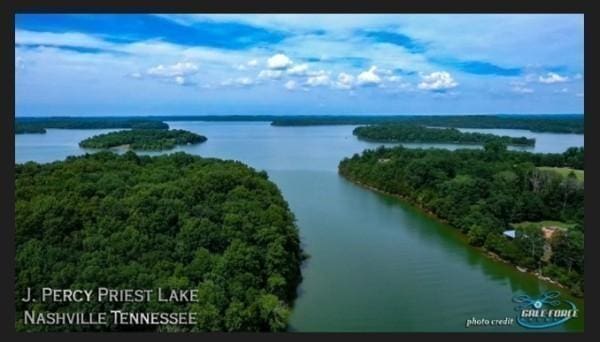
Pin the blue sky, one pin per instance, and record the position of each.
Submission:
(195, 64)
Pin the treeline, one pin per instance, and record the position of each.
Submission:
(173, 221)
(567, 123)
(484, 192)
(573, 157)
(535, 123)
(39, 125)
(420, 134)
(27, 128)
(143, 139)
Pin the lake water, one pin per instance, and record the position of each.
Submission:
(544, 142)
(376, 263)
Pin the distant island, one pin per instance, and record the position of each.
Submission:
(525, 208)
(411, 133)
(39, 124)
(143, 139)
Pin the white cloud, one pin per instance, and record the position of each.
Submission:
(552, 77)
(530, 77)
(369, 77)
(244, 81)
(386, 72)
(298, 69)
(522, 89)
(344, 81)
(172, 73)
(438, 80)
(71, 39)
(136, 75)
(319, 78)
(446, 94)
(238, 82)
(248, 65)
(273, 74)
(290, 85)
(279, 62)
(563, 90)
(174, 70)
(393, 78)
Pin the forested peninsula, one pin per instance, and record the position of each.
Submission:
(410, 133)
(173, 221)
(520, 206)
(143, 139)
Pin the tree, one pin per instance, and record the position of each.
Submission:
(531, 240)
(495, 147)
(568, 250)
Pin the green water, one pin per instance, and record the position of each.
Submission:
(376, 263)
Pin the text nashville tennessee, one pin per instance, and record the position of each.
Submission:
(112, 317)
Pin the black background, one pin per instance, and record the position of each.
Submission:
(7, 248)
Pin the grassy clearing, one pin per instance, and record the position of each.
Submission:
(540, 224)
(564, 171)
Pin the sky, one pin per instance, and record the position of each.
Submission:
(298, 64)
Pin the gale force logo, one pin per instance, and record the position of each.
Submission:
(544, 312)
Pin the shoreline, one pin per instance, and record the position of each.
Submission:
(458, 143)
(484, 251)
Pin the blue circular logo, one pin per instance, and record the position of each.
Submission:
(544, 312)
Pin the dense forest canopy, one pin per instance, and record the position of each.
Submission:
(535, 123)
(485, 192)
(143, 139)
(395, 132)
(174, 221)
(39, 125)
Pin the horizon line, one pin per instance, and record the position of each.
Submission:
(284, 115)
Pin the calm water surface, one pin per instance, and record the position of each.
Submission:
(544, 142)
(376, 263)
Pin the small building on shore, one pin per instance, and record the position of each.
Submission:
(547, 232)
(510, 233)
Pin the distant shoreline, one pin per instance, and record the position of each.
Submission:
(554, 123)
(270, 117)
